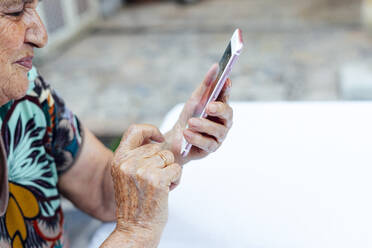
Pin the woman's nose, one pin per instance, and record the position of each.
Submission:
(36, 32)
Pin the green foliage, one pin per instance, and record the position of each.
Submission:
(113, 145)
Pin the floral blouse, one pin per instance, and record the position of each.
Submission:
(40, 140)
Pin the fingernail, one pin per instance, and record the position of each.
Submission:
(187, 133)
(216, 72)
(214, 75)
(230, 84)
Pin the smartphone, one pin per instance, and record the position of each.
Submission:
(226, 63)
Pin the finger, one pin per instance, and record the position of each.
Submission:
(133, 164)
(175, 184)
(222, 111)
(225, 93)
(209, 127)
(203, 142)
(138, 134)
(208, 80)
(149, 149)
(160, 159)
(144, 151)
(171, 174)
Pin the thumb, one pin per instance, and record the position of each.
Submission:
(139, 134)
(193, 104)
(208, 80)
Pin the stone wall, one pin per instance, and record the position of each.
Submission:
(64, 20)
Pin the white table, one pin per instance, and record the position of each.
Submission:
(288, 175)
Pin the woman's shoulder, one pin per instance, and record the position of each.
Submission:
(62, 125)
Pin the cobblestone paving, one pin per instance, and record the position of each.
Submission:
(136, 65)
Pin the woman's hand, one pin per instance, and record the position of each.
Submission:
(142, 173)
(205, 134)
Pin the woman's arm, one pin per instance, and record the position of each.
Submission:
(88, 183)
(135, 182)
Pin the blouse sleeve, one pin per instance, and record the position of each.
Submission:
(65, 133)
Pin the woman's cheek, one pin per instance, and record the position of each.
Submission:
(10, 33)
(13, 79)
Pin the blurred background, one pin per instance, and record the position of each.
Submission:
(121, 62)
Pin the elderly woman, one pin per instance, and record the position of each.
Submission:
(46, 152)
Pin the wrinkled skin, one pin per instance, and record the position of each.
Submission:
(142, 173)
(18, 37)
(141, 182)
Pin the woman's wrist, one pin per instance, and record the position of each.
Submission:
(136, 237)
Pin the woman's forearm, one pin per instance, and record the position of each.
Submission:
(102, 187)
(107, 210)
(88, 184)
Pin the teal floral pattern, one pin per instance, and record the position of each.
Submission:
(42, 139)
(27, 160)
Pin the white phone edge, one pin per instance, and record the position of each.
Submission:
(236, 48)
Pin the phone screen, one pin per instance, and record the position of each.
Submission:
(208, 92)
